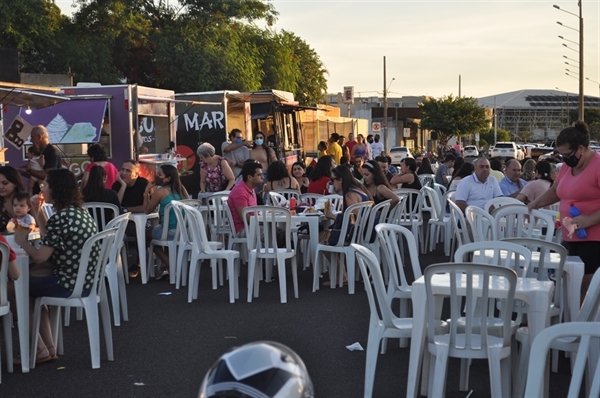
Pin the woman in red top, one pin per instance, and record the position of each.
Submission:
(321, 175)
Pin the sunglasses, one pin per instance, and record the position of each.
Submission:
(335, 179)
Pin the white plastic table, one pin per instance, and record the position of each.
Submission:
(537, 294)
(140, 235)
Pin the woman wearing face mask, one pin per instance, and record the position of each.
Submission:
(578, 186)
(261, 152)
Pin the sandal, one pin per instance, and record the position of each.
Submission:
(49, 358)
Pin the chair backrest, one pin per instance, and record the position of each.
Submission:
(431, 203)
(95, 253)
(481, 224)
(500, 201)
(590, 309)
(427, 179)
(380, 305)
(4, 252)
(587, 333)
(459, 224)
(196, 203)
(48, 210)
(336, 201)
(410, 206)
(392, 238)
(515, 221)
(501, 253)
(195, 228)
(218, 218)
(231, 223)
(309, 198)
(441, 189)
(276, 199)
(165, 223)
(120, 223)
(289, 193)
(377, 215)
(354, 218)
(101, 212)
(183, 225)
(471, 281)
(262, 228)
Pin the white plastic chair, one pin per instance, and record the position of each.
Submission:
(115, 270)
(356, 215)
(48, 210)
(383, 324)
(171, 246)
(203, 249)
(459, 225)
(494, 204)
(473, 342)
(262, 244)
(368, 238)
(409, 214)
(504, 254)
(234, 238)
(97, 295)
(427, 179)
(336, 201)
(7, 320)
(516, 221)
(309, 198)
(101, 212)
(481, 224)
(590, 312)
(431, 204)
(288, 194)
(586, 334)
(392, 239)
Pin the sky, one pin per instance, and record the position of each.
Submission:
(496, 46)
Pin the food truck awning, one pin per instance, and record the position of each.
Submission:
(167, 99)
(256, 97)
(23, 96)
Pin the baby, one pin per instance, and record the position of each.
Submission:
(36, 162)
(21, 207)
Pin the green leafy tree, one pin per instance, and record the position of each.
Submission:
(524, 136)
(591, 117)
(487, 138)
(453, 116)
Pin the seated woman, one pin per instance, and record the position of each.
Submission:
(98, 157)
(425, 167)
(278, 177)
(352, 191)
(465, 170)
(299, 173)
(408, 176)
(377, 184)
(63, 237)
(215, 173)
(95, 191)
(167, 178)
(321, 175)
(536, 188)
(10, 184)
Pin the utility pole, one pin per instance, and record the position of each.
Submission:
(580, 63)
(385, 106)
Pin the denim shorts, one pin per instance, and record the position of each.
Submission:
(50, 286)
(158, 230)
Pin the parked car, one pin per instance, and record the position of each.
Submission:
(506, 150)
(471, 151)
(397, 153)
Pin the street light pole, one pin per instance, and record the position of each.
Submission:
(385, 106)
(598, 83)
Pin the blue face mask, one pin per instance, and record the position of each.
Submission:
(239, 140)
(259, 141)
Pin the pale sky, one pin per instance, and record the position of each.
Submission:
(495, 45)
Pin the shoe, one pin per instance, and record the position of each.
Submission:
(49, 358)
(162, 274)
(134, 271)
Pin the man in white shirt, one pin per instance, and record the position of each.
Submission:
(478, 188)
(236, 151)
(376, 147)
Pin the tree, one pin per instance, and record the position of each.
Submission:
(591, 117)
(524, 136)
(453, 116)
(487, 138)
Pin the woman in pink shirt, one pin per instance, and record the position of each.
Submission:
(539, 185)
(578, 185)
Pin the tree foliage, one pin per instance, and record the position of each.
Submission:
(453, 116)
(487, 137)
(185, 45)
(592, 117)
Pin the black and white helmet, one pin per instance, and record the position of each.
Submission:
(263, 369)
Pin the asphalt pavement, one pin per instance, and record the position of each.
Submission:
(168, 344)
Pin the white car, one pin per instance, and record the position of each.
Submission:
(471, 151)
(506, 150)
(397, 153)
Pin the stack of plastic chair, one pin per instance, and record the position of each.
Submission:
(427, 180)
(234, 239)
(494, 204)
(459, 225)
(431, 204)
(97, 296)
(116, 269)
(516, 221)
(481, 224)
(101, 212)
(7, 321)
(369, 239)
(409, 214)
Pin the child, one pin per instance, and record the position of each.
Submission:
(36, 162)
(21, 207)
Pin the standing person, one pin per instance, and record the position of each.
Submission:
(369, 149)
(10, 184)
(408, 176)
(321, 175)
(345, 150)
(167, 178)
(377, 184)
(377, 147)
(299, 173)
(443, 172)
(243, 194)
(63, 238)
(236, 151)
(334, 150)
(39, 138)
(360, 148)
(512, 183)
(98, 157)
(215, 173)
(542, 182)
(350, 145)
(578, 185)
(261, 152)
(36, 162)
(477, 189)
(322, 148)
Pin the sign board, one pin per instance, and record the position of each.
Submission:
(349, 95)
(18, 132)
(376, 127)
(406, 132)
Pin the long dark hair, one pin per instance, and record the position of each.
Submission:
(349, 182)
(578, 134)
(64, 188)
(98, 153)
(13, 176)
(277, 171)
(425, 167)
(264, 145)
(544, 169)
(465, 170)
(94, 188)
(174, 181)
(323, 168)
(378, 177)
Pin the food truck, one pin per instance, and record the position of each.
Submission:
(210, 116)
(130, 121)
